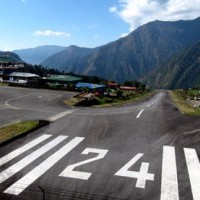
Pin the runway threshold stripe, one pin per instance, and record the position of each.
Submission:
(23, 149)
(193, 166)
(140, 113)
(169, 182)
(7, 173)
(28, 179)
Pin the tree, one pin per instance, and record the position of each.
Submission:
(119, 93)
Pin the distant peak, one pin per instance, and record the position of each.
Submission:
(73, 47)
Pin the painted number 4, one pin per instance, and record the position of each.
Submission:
(142, 176)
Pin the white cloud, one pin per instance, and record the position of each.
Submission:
(124, 34)
(51, 33)
(113, 9)
(139, 12)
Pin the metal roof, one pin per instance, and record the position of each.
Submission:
(64, 78)
(127, 88)
(22, 74)
(89, 85)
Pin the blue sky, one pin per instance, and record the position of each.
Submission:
(85, 23)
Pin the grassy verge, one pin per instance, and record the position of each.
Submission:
(134, 98)
(14, 130)
(107, 102)
(181, 103)
(72, 101)
(3, 84)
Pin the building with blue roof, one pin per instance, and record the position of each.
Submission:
(90, 86)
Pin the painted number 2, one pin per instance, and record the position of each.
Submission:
(142, 176)
(69, 171)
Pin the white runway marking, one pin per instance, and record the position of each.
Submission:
(57, 96)
(60, 115)
(153, 102)
(13, 107)
(169, 182)
(140, 113)
(193, 166)
(7, 173)
(142, 176)
(69, 171)
(38, 171)
(22, 149)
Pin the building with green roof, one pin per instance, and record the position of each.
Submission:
(62, 81)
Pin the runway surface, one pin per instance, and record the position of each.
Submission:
(142, 151)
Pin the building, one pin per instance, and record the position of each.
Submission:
(62, 81)
(19, 78)
(90, 86)
(8, 64)
(113, 85)
(128, 88)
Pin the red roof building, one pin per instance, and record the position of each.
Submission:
(128, 88)
(113, 85)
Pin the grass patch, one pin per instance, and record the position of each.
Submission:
(181, 103)
(117, 102)
(3, 84)
(100, 102)
(72, 101)
(14, 130)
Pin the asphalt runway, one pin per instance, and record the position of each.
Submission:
(17, 104)
(143, 151)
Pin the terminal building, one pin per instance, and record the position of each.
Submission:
(21, 78)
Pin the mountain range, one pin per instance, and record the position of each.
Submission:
(180, 71)
(133, 57)
(68, 59)
(36, 55)
(149, 53)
